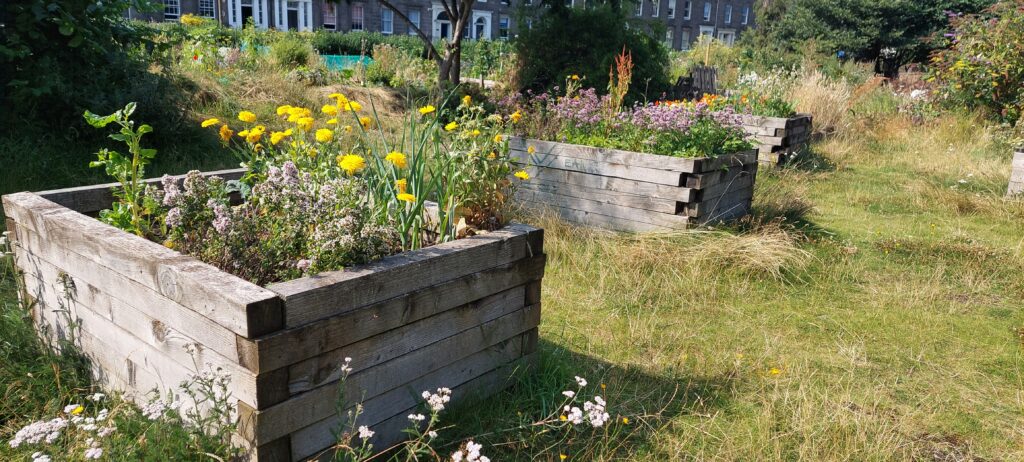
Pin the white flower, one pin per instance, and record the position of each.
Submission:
(417, 418)
(573, 415)
(569, 393)
(105, 431)
(582, 382)
(471, 453)
(93, 453)
(40, 457)
(599, 400)
(432, 434)
(436, 401)
(347, 366)
(365, 433)
(36, 432)
(70, 408)
(96, 396)
(155, 410)
(457, 456)
(596, 414)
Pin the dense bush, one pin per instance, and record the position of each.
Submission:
(291, 52)
(984, 64)
(598, 35)
(359, 42)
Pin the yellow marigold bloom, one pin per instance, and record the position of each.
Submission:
(396, 158)
(492, 156)
(530, 149)
(282, 110)
(257, 147)
(324, 135)
(255, 134)
(522, 175)
(365, 122)
(475, 133)
(347, 128)
(400, 185)
(467, 100)
(406, 197)
(246, 116)
(332, 121)
(451, 126)
(353, 106)
(351, 163)
(243, 133)
(211, 121)
(225, 133)
(625, 420)
(296, 113)
(427, 109)
(329, 109)
(497, 138)
(313, 152)
(276, 137)
(305, 123)
(338, 96)
(515, 116)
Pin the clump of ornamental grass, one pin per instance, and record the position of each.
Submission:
(828, 100)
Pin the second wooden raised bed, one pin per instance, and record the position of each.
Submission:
(778, 138)
(631, 191)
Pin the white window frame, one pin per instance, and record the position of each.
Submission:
(362, 16)
(655, 8)
(707, 11)
(504, 27)
(728, 14)
(684, 40)
(671, 9)
(416, 22)
(688, 10)
(172, 5)
(746, 15)
(213, 8)
(387, 21)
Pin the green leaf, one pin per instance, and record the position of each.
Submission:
(98, 121)
(145, 128)
(147, 153)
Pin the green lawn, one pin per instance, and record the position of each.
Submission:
(885, 323)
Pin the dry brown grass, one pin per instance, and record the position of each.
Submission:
(827, 100)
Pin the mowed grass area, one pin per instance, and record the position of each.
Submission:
(880, 320)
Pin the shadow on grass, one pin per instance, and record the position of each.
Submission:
(639, 403)
(809, 160)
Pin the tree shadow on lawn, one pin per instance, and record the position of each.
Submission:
(506, 422)
(808, 159)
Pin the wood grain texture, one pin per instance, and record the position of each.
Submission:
(610, 197)
(611, 184)
(548, 149)
(604, 208)
(597, 220)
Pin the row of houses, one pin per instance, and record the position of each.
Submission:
(685, 21)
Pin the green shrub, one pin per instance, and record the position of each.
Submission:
(291, 52)
(598, 35)
(362, 43)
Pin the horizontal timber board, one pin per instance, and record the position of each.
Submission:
(604, 208)
(242, 307)
(310, 407)
(597, 167)
(294, 345)
(713, 209)
(546, 149)
(583, 217)
(611, 197)
(735, 182)
(326, 367)
(621, 185)
(328, 294)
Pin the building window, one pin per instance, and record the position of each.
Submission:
(207, 9)
(503, 27)
(480, 29)
(671, 9)
(414, 18)
(684, 43)
(357, 16)
(746, 15)
(638, 9)
(330, 15)
(728, 14)
(172, 10)
(655, 8)
(707, 11)
(687, 9)
(387, 21)
(668, 38)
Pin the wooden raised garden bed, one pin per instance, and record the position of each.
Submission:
(461, 314)
(778, 138)
(1017, 175)
(630, 191)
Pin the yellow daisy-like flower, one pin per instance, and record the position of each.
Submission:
(625, 420)
(467, 100)
(493, 155)
(283, 109)
(365, 122)
(774, 371)
(515, 116)
(406, 197)
(255, 134)
(276, 137)
(522, 175)
(77, 410)
(562, 457)
(243, 133)
(226, 133)
(329, 109)
(333, 121)
(574, 77)
(531, 149)
(209, 122)
(351, 163)
(451, 126)
(352, 106)
(324, 135)
(474, 133)
(427, 109)
(396, 158)
(305, 123)
(246, 116)
(338, 96)
(400, 185)
(563, 418)
(257, 147)
(498, 138)
(347, 128)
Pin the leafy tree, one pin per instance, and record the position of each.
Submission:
(449, 63)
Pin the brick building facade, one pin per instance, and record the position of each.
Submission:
(685, 21)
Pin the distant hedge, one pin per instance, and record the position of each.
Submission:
(357, 42)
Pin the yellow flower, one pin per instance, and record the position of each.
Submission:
(406, 197)
(400, 185)
(522, 175)
(365, 122)
(333, 121)
(603, 386)
(531, 149)
(296, 113)
(574, 77)
(492, 156)
(451, 126)
(324, 135)
(625, 420)
(396, 158)
(276, 137)
(427, 109)
(305, 123)
(246, 116)
(774, 371)
(562, 457)
(338, 96)
(467, 100)
(225, 133)
(208, 122)
(77, 410)
(475, 133)
(243, 133)
(255, 134)
(353, 106)
(282, 110)
(329, 109)
(347, 128)
(515, 116)
(497, 138)
(563, 418)
(257, 147)
(351, 163)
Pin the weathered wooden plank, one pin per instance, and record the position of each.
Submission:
(400, 402)
(597, 166)
(329, 294)
(604, 208)
(92, 199)
(583, 217)
(741, 180)
(738, 159)
(239, 305)
(125, 329)
(544, 149)
(609, 183)
(722, 206)
(326, 367)
(210, 334)
(293, 345)
(310, 407)
(611, 197)
(763, 121)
